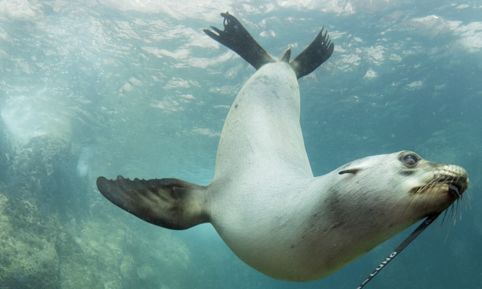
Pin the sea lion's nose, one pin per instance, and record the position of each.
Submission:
(463, 182)
(460, 179)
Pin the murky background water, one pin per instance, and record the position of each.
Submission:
(107, 87)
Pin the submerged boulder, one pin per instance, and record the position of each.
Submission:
(52, 236)
(106, 253)
(28, 256)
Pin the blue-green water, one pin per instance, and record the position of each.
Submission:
(107, 87)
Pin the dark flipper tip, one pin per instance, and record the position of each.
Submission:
(237, 38)
(314, 55)
(212, 34)
(169, 203)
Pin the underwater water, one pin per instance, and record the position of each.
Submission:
(135, 88)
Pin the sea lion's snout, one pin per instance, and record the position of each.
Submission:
(455, 177)
(458, 181)
(447, 179)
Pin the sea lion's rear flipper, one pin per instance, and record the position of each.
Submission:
(313, 56)
(238, 39)
(169, 203)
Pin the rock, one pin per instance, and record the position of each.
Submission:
(28, 257)
(106, 253)
(52, 237)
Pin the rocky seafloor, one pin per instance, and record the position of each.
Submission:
(55, 234)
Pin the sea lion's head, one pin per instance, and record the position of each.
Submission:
(369, 200)
(410, 180)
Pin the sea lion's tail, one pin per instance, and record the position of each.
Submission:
(169, 203)
(237, 38)
(314, 55)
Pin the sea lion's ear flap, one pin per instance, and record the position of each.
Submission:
(349, 171)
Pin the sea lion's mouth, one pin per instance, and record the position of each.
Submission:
(454, 186)
(455, 190)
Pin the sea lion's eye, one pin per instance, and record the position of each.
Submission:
(410, 160)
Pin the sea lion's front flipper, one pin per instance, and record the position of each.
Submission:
(238, 39)
(169, 203)
(313, 56)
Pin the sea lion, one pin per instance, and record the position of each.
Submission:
(264, 200)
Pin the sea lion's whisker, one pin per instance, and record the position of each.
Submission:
(444, 216)
(410, 204)
(452, 213)
(431, 185)
(457, 213)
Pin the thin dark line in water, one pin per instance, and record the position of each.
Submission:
(429, 220)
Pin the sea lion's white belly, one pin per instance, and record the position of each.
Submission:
(268, 226)
(263, 178)
(262, 129)
(285, 228)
